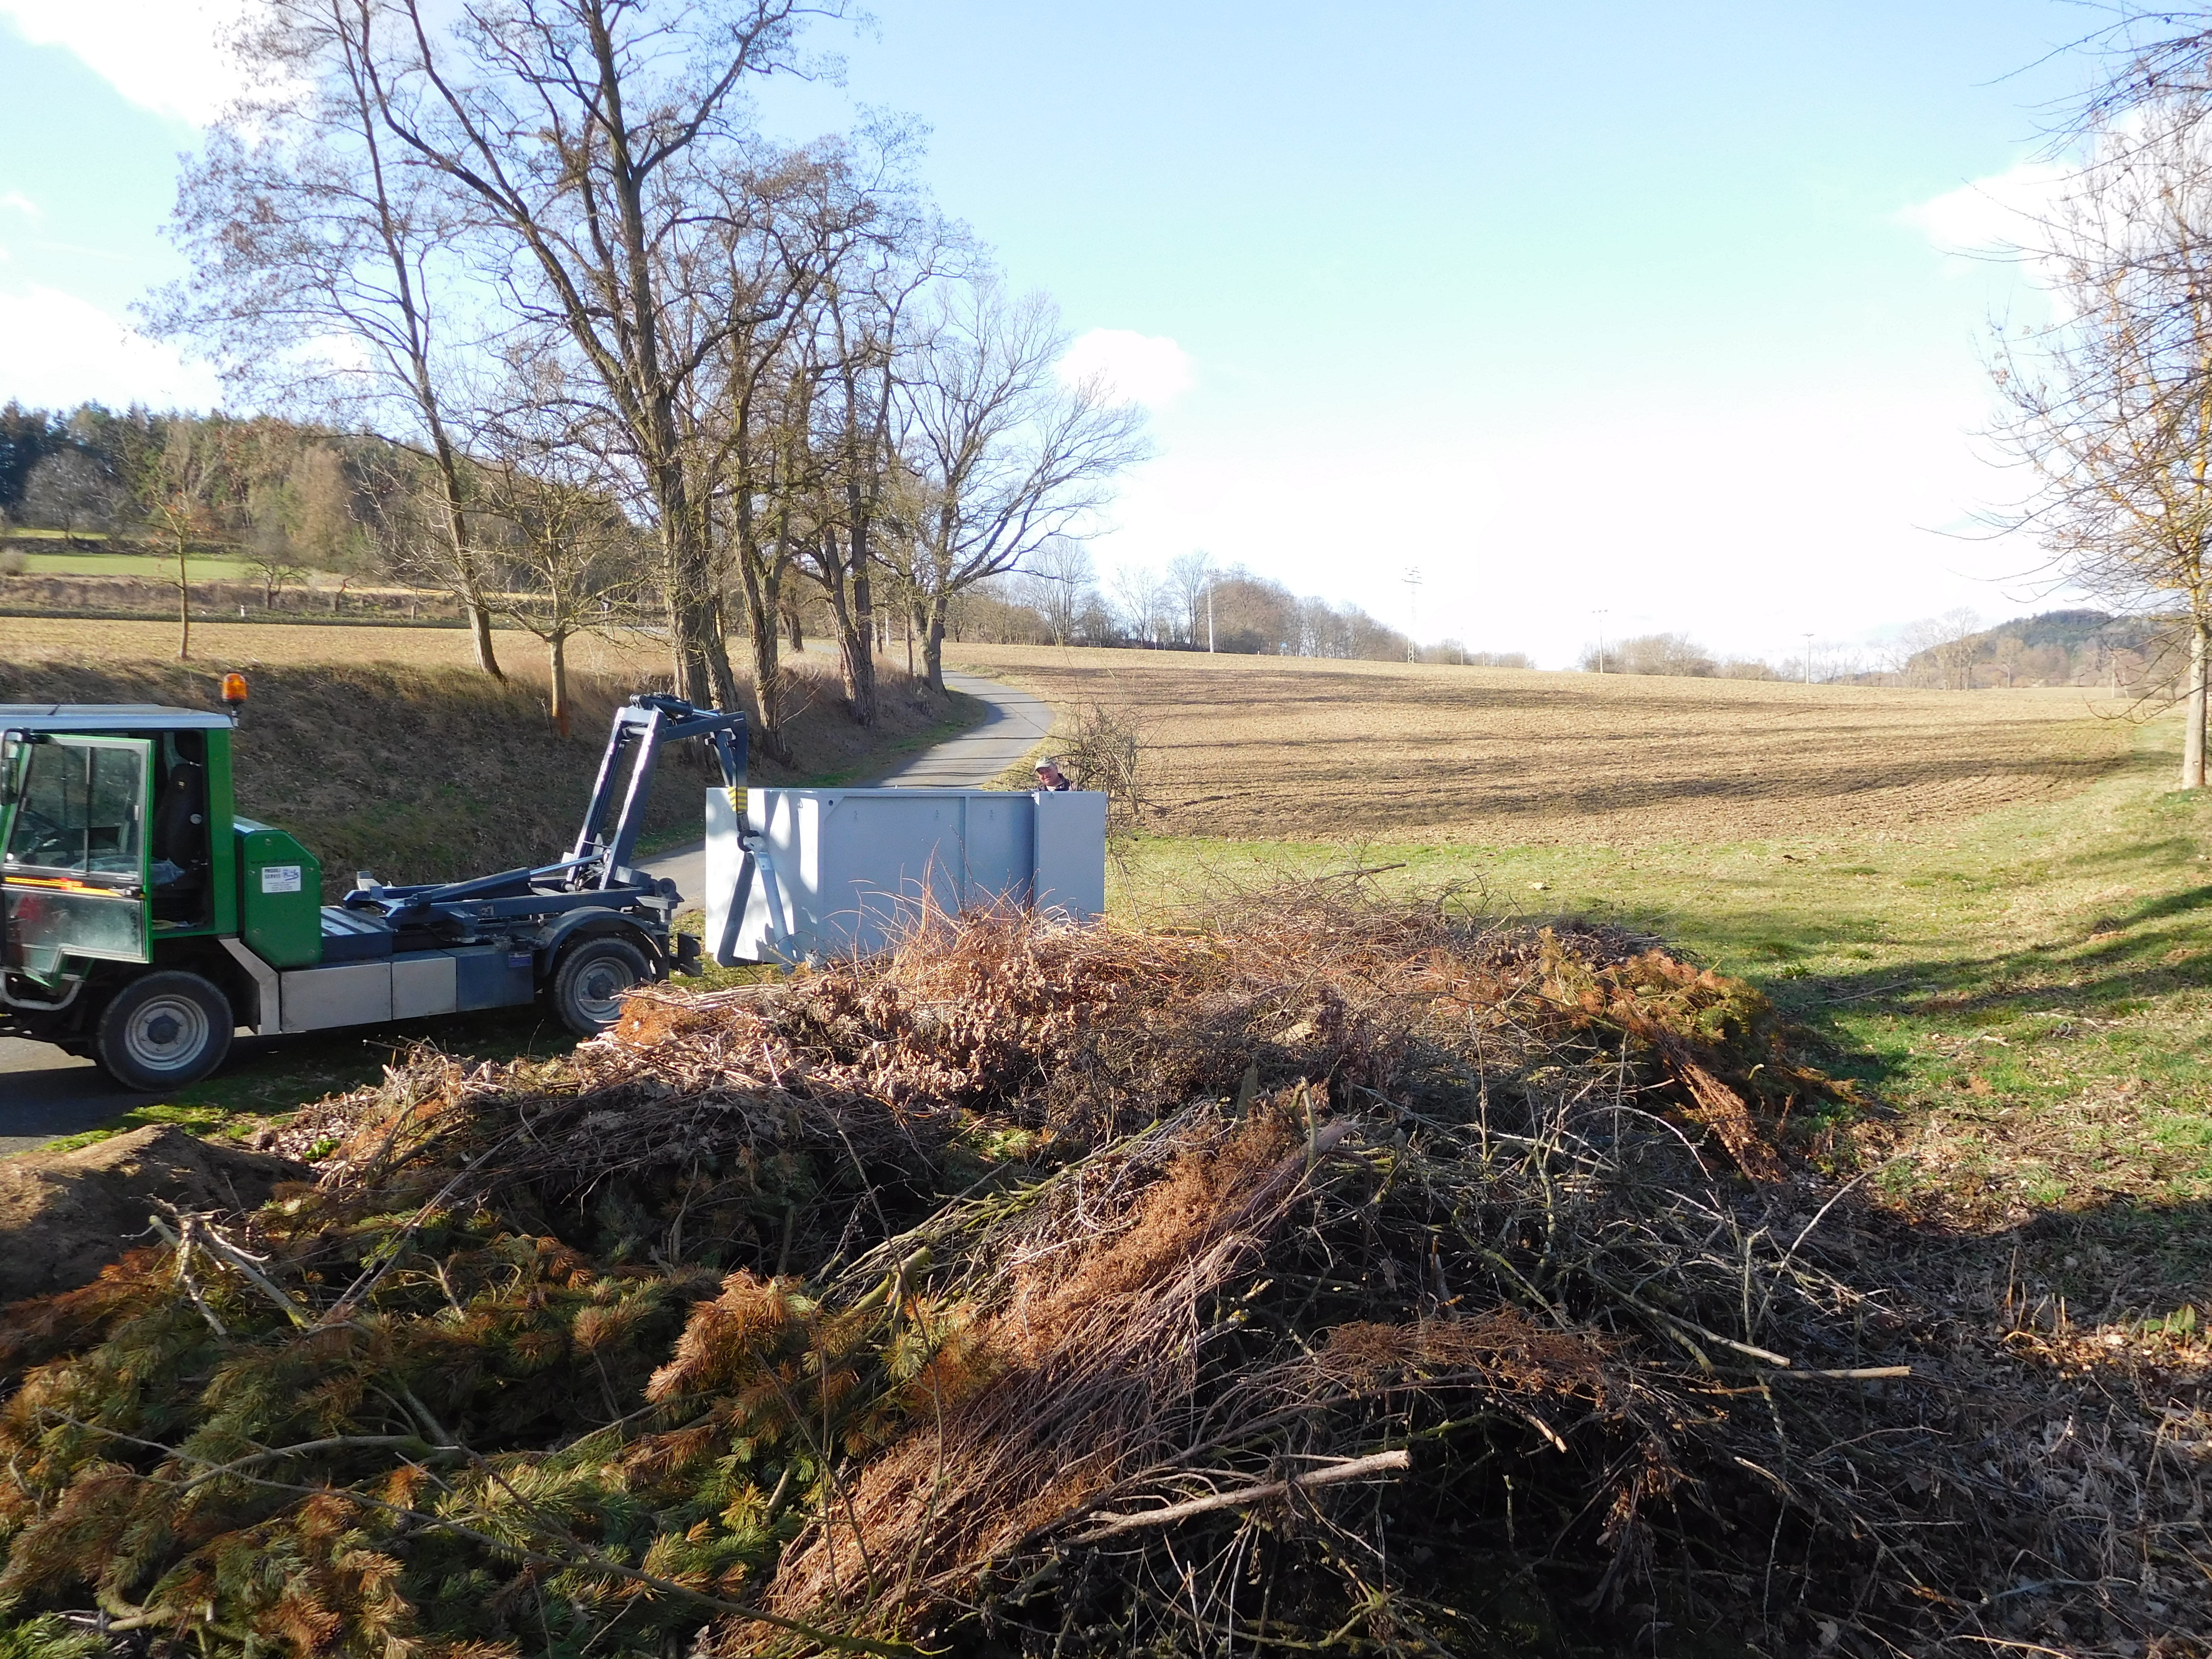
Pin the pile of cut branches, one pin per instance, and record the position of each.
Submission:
(1307, 1276)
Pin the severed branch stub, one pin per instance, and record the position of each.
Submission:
(1357, 1468)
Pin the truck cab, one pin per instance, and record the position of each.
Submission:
(142, 921)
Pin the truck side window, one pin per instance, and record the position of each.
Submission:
(79, 813)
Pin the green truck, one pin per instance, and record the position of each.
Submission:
(146, 922)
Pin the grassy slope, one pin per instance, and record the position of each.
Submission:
(2026, 995)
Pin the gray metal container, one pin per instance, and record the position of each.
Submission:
(851, 867)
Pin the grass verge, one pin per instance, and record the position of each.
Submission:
(2025, 998)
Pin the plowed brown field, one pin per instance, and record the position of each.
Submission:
(1268, 747)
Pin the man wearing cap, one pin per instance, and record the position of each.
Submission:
(1050, 777)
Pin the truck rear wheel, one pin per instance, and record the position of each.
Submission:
(589, 985)
(163, 1031)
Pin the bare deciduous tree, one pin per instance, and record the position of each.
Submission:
(184, 480)
(67, 491)
(1058, 581)
(2110, 404)
(1004, 455)
(1189, 575)
(324, 263)
(1143, 601)
(572, 557)
(593, 144)
(1940, 648)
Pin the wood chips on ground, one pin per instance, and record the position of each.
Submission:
(1270, 747)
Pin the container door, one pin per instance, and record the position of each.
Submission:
(73, 877)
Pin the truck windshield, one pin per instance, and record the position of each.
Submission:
(80, 812)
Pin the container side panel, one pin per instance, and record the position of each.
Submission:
(1001, 849)
(745, 938)
(1071, 852)
(854, 867)
(885, 854)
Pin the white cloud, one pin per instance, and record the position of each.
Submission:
(16, 202)
(1991, 215)
(1150, 369)
(62, 351)
(164, 55)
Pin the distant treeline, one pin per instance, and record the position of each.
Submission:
(1954, 652)
(1196, 606)
(288, 497)
(2058, 648)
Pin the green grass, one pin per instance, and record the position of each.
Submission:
(149, 566)
(2026, 997)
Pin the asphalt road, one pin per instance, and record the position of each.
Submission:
(44, 1093)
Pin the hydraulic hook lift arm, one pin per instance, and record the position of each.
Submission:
(598, 868)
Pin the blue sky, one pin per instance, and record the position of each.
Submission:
(1619, 308)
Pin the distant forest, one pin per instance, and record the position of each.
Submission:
(265, 489)
(298, 502)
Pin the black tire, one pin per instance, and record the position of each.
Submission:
(589, 984)
(163, 1031)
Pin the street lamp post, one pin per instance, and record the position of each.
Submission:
(1601, 616)
(1412, 580)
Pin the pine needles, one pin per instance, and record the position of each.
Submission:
(1307, 1276)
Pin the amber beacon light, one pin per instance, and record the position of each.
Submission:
(234, 692)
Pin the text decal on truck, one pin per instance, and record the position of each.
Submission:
(281, 878)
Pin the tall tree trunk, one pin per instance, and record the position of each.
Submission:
(838, 590)
(852, 607)
(719, 672)
(480, 637)
(2192, 737)
(933, 644)
(184, 609)
(556, 651)
(767, 674)
(466, 577)
(762, 582)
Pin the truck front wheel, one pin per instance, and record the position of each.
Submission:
(163, 1031)
(589, 985)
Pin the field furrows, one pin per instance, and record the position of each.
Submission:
(1261, 748)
